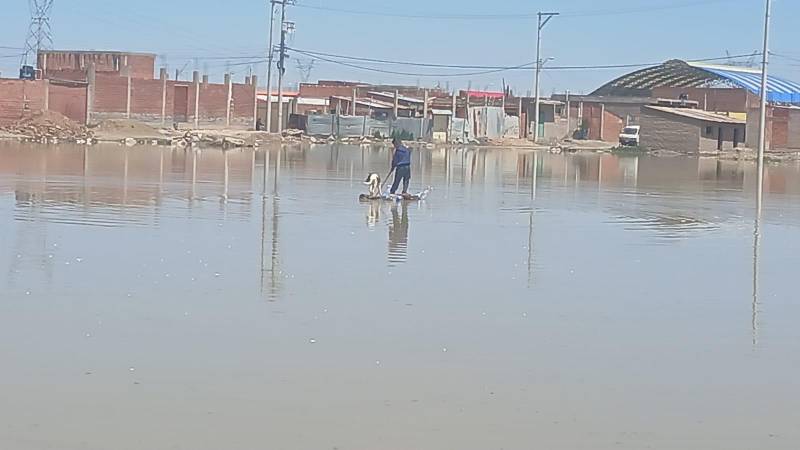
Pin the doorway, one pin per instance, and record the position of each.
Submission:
(180, 104)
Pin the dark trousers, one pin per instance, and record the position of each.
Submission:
(401, 173)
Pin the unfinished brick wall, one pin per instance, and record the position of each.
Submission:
(18, 97)
(110, 102)
(146, 96)
(68, 99)
(110, 96)
(595, 116)
(73, 65)
(244, 103)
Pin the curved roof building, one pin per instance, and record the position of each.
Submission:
(683, 74)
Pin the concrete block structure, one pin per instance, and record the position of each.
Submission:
(689, 130)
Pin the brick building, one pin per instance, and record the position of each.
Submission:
(730, 90)
(90, 87)
(783, 128)
(74, 64)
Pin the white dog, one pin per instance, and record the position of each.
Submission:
(374, 182)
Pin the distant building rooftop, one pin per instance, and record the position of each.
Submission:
(683, 74)
(697, 114)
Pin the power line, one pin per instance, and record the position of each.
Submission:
(393, 72)
(337, 59)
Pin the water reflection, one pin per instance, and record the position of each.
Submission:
(398, 234)
(271, 272)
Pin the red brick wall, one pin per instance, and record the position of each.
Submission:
(74, 65)
(212, 101)
(316, 91)
(244, 97)
(142, 66)
(68, 100)
(18, 97)
(110, 94)
(146, 96)
(612, 124)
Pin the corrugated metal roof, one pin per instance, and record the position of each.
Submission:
(682, 74)
(698, 114)
(369, 102)
(399, 97)
(778, 89)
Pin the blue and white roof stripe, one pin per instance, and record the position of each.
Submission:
(778, 89)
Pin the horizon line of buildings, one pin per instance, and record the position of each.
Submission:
(670, 101)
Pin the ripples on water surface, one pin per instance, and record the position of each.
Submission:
(156, 298)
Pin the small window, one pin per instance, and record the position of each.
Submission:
(709, 131)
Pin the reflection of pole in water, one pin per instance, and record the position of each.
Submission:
(530, 249)
(125, 180)
(277, 171)
(757, 250)
(266, 173)
(194, 174)
(226, 176)
(85, 181)
(534, 176)
(271, 275)
(253, 169)
(756, 254)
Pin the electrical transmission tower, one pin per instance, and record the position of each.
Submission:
(40, 36)
(305, 68)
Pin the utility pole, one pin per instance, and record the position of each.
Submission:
(544, 17)
(270, 54)
(285, 28)
(762, 125)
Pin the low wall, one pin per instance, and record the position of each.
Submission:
(22, 97)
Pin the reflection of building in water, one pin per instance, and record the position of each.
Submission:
(103, 177)
(398, 235)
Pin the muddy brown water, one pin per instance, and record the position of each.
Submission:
(167, 299)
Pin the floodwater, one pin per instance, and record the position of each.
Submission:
(155, 298)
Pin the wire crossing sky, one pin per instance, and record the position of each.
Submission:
(599, 39)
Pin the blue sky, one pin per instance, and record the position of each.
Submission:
(590, 32)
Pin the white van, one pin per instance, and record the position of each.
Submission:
(630, 135)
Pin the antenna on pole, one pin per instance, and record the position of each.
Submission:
(40, 35)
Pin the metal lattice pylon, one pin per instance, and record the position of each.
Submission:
(40, 36)
(305, 68)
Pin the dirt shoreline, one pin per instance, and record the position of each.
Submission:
(54, 129)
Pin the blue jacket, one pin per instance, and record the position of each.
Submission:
(402, 157)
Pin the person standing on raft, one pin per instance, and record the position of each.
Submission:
(401, 166)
